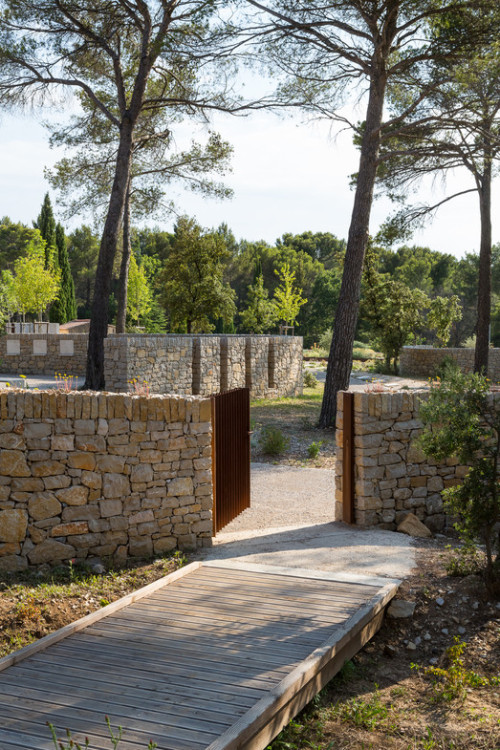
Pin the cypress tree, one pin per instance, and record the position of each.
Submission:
(64, 308)
(46, 225)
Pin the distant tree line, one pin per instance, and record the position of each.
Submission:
(199, 280)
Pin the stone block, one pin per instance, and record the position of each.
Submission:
(110, 508)
(68, 529)
(115, 485)
(140, 546)
(91, 479)
(51, 551)
(12, 441)
(180, 486)
(43, 505)
(47, 468)
(63, 442)
(13, 464)
(76, 495)
(13, 525)
(164, 544)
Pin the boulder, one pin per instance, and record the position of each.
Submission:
(413, 527)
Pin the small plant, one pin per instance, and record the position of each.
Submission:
(450, 683)
(64, 383)
(71, 744)
(314, 448)
(310, 381)
(180, 558)
(272, 442)
(139, 388)
(28, 611)
(467, 560)
(368, 714)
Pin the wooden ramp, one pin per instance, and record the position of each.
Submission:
(217, 655)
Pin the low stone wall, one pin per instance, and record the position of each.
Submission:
(423, 361)
(392, 477)
(107, 475)
(43, 354)
(268, 365)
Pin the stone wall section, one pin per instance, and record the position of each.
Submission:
(392, 477)
(206, 364)
(423, 361)
(163, 363)
(107, 475)
(232, 363)
(286, 376)
(257, 366)
(43, 354)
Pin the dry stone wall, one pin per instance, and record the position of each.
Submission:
(392, 476)
(43, 354)
(106, 475)
(423, 361)
(165, 363)
(268, 365)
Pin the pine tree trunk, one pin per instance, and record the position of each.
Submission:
(121, 315)
(484, 280)
(346, 316)
(99, 315)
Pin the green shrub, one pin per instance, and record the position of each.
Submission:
(314, 448)
(272, 442)
(461, 420)
(310, 381)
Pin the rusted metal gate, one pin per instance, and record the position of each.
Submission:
(348, 458)
(231, 455)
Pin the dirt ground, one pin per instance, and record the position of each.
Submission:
(385, 698)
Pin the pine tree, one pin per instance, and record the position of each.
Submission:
(46, 225)
(64, 308)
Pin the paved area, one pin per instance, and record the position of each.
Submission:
(42, 382)
(290, 524)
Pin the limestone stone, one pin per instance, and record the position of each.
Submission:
(110, 463)
(37, 429)
(141, 546)
(12, 441)
(13, 563)
(412, 526)
(164, 544)
(110, 508)
(13, 525)
(50, 551)
(91, 479)
(63, 442)
(180, 486)
(400, 609)
(56, 483)
(92, 443)
(13, 464)
(141, 473)
(115, 485)
(44, 505)
(28, 484)
(47, 468)
(76, 495)
(67, 529)
(82, 460)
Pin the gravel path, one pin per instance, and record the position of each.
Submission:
(286, 496)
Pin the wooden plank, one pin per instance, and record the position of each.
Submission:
(99, 614)
(35, 699)
(209, 697)
(262, 713)
(94, 645)
(269, 571)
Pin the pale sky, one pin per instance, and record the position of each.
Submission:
(288, 176)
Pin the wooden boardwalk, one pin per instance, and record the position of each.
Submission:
(217, 655)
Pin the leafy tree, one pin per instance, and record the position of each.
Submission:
(83, 252)
(128, 59)
(394, 310)
(34, 286)
(260, 314)
(64, 307)
(456, 125)
(287, 297)
(321, 49)
(14, 238)
(463, 421)
(139, 296)
(443, 312)
(194, 292)
(7, 297)
(321, 246)
(46, 225)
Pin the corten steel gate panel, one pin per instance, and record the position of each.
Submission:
(231, 455)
